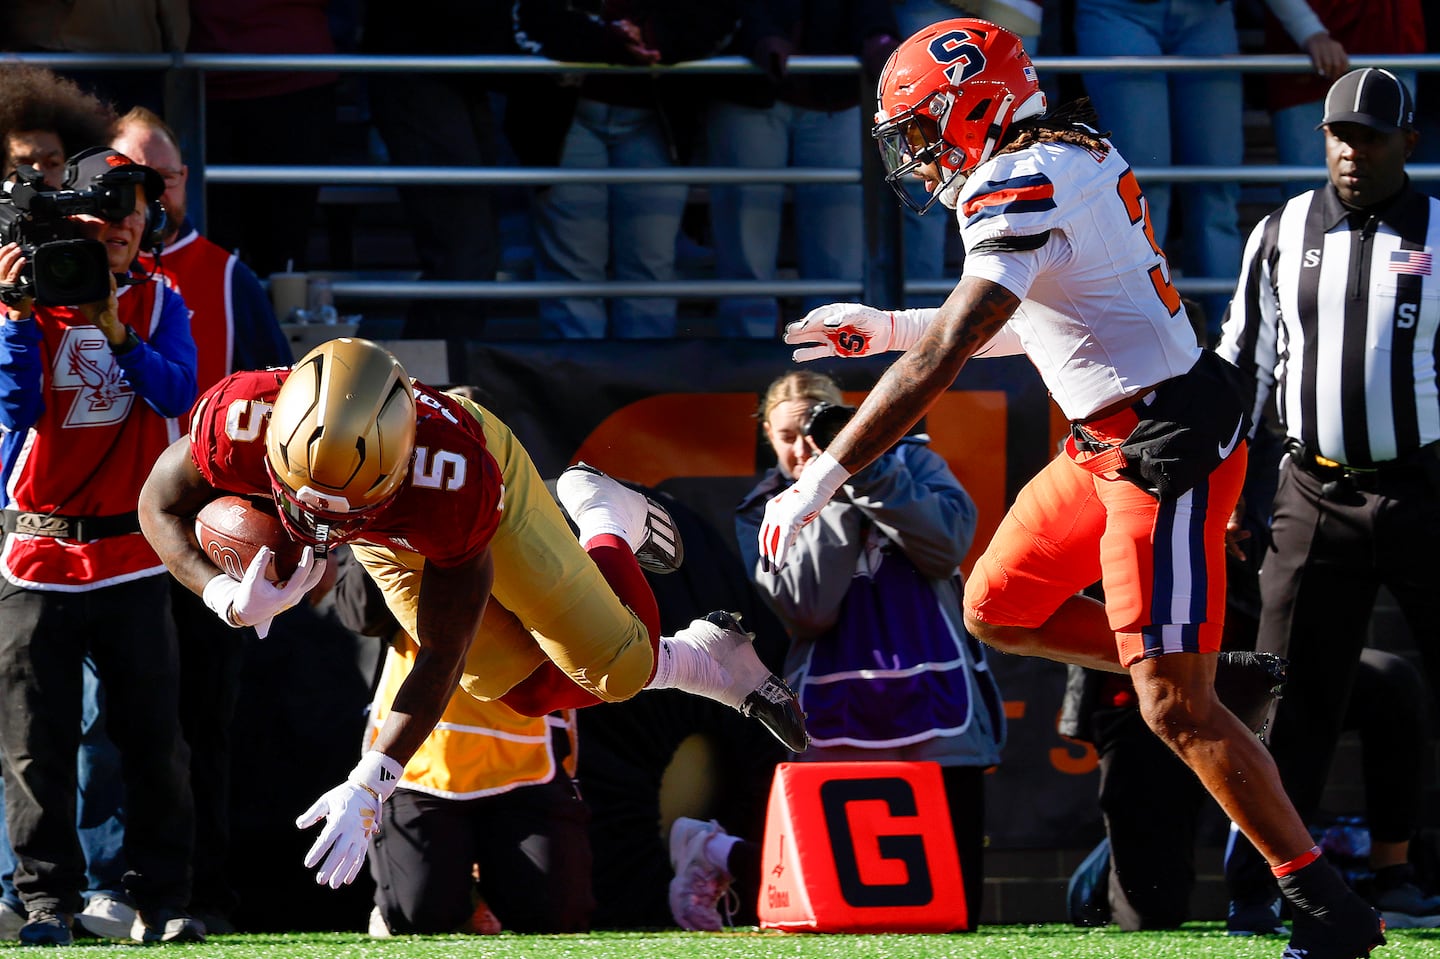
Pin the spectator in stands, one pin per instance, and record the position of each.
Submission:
(1158, 119)
(489, 791)
(265, 118)
(873, 612)
(1329, 31)
(779, 120)
(103, 27)
(444, 119)
(117, 369)
(626, 231)
(234, 329)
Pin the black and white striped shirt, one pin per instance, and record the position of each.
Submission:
(1337, 313)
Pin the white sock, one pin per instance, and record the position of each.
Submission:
(685, 666)
(599, 521)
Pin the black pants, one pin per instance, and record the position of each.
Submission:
(1333, 550)
(268, 223)
(531, 845)
(1151, 803)
(443, 120)
(212, 658)
(43, 640)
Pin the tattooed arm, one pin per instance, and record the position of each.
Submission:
(974, 312)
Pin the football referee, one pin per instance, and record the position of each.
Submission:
(1336, 314)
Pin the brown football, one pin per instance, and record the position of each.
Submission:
(231, 529)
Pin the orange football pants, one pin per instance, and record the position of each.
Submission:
(1161, 564)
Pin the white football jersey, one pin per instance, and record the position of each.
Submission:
(1098, 316)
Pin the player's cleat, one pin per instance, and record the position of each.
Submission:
(11, 919)
(648, 526)
(45, 927)
(166, 925)
(699, 884)
(107, 917)
(1249, 684)
(377, 927)
(1255, 919)
(1329, 920)
(1315, 938)
(749, 686)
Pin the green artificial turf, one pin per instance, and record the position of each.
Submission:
(1195, 941)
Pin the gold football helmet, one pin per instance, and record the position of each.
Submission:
(340, 439)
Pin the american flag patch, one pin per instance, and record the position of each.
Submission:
(1030, 75)
(1411, 262)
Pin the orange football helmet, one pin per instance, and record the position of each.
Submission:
(946, 96)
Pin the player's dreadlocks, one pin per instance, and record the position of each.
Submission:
(34, 98)
(1075, 123)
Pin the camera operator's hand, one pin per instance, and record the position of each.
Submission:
(105, 314)
(11, 263)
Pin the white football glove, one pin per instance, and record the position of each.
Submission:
(854, 329)
(796, 506)
(352, 816)
(255, 601)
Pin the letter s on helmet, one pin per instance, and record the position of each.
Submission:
(340, 439)
(947, 95)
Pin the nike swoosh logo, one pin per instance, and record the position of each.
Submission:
(1227, 448)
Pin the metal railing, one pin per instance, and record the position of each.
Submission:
(884, 286)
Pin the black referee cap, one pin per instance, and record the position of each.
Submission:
(1376, 98)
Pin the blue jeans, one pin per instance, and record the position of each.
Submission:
(1185, 119)
(829, 230)
(632, 228)
(99, 811)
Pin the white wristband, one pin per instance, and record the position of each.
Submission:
(907, 326)
(824, 475)
(219, 595)
(377, 773)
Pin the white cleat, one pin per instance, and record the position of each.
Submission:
(649, 528)
(699, 885)
(750, 687)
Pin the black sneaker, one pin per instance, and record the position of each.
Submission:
(167, 925)
(1255, 919)
(1402, 903)
(46, 927)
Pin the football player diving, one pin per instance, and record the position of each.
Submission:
(445, 510)
(1061, 264)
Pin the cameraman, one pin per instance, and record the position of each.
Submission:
(873, 611)
(87, 394)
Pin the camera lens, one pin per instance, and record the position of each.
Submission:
(64, 269)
